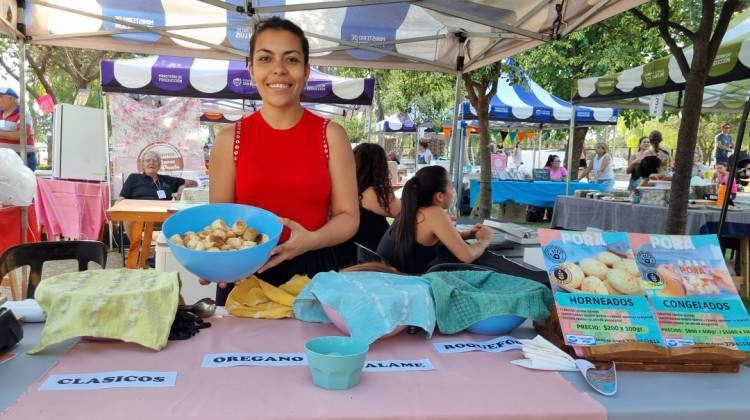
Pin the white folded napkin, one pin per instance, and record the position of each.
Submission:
(541, 354)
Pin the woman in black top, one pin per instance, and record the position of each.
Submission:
(376, 202)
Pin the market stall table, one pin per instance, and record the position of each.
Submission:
(538, 194)
(574, 213)
(72, 209)
(144, 214)
(463, 385)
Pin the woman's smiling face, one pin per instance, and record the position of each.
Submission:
(278, 67)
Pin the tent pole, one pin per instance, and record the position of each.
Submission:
(569, 153)
(109, 163)
(732, 169)
(24, 133)
(457, 148)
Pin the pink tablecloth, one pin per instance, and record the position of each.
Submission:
(74, 209)
(472, 385)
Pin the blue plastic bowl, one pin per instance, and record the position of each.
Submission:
(223, 266)
(496, 325)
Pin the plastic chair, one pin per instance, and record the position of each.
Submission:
(365, 255)
(35, 254)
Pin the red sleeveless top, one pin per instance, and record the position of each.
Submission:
(284, 171)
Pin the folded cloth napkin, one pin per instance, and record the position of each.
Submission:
(136, 306)
(465, 297)
(371, 304)
(29, 309)
(254, 298)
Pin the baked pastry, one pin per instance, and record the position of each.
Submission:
(628, 265)
(610, 289)
(625, 283)
(607, 258)
(574, 274)
(594, 285)
(672, 288)
(594, 267)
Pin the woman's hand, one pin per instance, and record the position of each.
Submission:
(221, 285)
(300, 241)
(472, 233)
(484, 234)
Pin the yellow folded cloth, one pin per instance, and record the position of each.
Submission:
(136, 306)
(254, 298)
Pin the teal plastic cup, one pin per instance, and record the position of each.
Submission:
(336, 362)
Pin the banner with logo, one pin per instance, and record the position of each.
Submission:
(172, 130)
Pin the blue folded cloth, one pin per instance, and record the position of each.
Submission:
(370, 303)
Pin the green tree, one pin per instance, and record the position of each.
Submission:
(705, 28)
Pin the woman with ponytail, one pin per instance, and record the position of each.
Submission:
(411, 243)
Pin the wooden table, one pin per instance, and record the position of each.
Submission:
(144, 213)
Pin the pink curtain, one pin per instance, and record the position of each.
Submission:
(171, 129)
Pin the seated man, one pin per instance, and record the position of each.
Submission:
(149, 185)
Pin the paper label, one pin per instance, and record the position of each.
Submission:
(496, 345)
(116, 379)
(253, 359)
(397, 365)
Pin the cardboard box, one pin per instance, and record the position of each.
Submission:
(514, 212)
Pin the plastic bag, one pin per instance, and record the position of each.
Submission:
(17, 182)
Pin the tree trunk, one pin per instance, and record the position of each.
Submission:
(485, 176)
(686, 139)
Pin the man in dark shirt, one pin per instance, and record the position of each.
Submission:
(149, 185)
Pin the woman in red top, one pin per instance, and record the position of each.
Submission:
(287, 160)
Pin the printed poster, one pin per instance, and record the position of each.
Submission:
(600, 296)
(691, 290)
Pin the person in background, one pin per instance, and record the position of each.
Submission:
(392, 157)
(376, 202)
(649, 165)
(149, 185)
(601, 165)
(518, 155)
(582, 160)
(721, 176)
(10, 112)
(493, 147)
(412, 241)
(500, 149)
(662, 152)
(313, 189)
(425, 155)
(724, 144)
(557, 171)
(206, 154)
(699, 169)
(634, 162)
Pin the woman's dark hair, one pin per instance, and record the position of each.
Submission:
(418, 193)
(649, 165)
(279, 24)
(655, 138)
(550, 158)
(424, 144)
(372, 171)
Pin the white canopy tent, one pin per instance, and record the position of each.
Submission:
(449, 36)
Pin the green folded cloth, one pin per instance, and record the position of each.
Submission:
(465, 297)
(136, 306)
